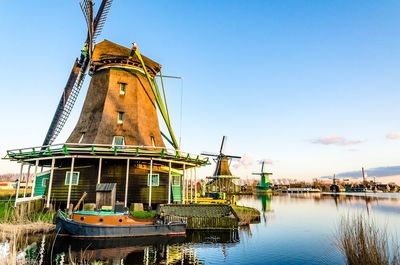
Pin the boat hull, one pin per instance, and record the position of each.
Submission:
(67, 227)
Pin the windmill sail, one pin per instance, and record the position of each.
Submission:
(78, 73)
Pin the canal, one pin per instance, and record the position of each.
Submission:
(294, 229)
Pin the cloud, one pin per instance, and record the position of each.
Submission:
(266, 161)
(245, 162)
(393, 136)
(371, 172)
(335, 140)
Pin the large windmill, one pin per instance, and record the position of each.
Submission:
(117, 138)
(264, 185)
(79, 68)
(222, 179)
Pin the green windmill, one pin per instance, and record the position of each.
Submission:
(264, 185)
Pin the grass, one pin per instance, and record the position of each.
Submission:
(247, 215)
(362, 241)
(8, 215)
(144, 214)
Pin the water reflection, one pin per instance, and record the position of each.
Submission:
(294, 229)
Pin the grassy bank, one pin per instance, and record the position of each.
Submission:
(362, 241)
(11, 223)
(247, 215)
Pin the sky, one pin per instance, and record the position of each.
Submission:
(311, 87)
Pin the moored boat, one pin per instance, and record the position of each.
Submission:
(102, 224)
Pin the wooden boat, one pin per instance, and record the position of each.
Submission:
(102, 224)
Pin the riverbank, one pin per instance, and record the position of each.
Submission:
(247, 215)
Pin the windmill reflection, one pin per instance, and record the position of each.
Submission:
(154, 250)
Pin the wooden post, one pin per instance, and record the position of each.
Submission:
(19, 183)
(27, 180)
(183, 184)
(126, 183)
(50, 183)
(71, 176)
(99, 173)
(34, 177)
(169, 182)
(150, 181)
(195, 186)
(191, 185)
(186, 188)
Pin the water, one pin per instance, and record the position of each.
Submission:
(294, 229)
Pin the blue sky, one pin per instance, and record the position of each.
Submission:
(312, 86)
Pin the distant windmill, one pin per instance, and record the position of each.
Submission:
(222, 177)
(264, 185)
(222, 160)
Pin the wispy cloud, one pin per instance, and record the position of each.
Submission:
(393, 136)
(371, 172)
(266, 161)
(245, 162)
(335, 140)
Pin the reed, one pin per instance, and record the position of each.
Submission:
(362, 241)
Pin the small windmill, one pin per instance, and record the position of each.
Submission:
(222, 177)
(264, 185)
(79, 69)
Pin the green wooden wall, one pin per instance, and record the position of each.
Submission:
(41, 183)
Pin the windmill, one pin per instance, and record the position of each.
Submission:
(222, 177)
(79, 69)
(117, 138)
(264, 185)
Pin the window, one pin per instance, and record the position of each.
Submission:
(118, 140)
(120, 117)
(122, 89)
(155, 180)
(75, 178)
(176, 180)
(44, 182)
(153, 143)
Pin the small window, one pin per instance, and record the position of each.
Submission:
(75, 179)
(176, 180)
(118, 141)
(122, 89)
(153, 142)
(44, 182)
(120, 117)
(155, 180)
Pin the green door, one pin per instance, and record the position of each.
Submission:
(176, 188)
(41, 183)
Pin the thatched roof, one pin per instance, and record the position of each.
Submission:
(109, 50)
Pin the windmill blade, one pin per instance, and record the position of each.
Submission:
(84, 4)
(101, 17)
(87, 10)
(262, 166)
(256, 173)
(234, 157)
(78, 72)
(221, 150)
(67, 101)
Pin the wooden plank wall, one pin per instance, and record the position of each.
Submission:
(113, 171)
